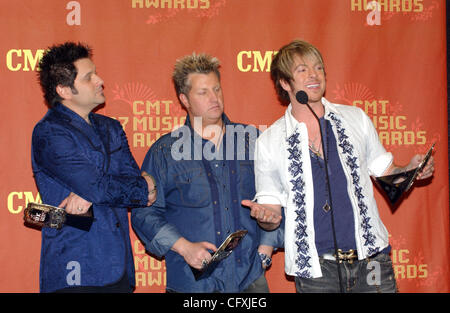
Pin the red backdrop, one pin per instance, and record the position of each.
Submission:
(388, 58)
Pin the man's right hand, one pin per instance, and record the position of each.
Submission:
(194, 253)
(267, 215)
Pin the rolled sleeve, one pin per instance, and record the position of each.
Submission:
(150, 223)
(274, 238)
(267, 180)
(164, 240)
(378, 159)
(380, 164)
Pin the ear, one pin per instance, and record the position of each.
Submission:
(64, 92)
(184, 99)
(285, 85)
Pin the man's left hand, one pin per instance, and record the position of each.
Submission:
(427, 171)
(74, 204)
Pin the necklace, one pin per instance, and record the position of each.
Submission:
(326, 207)
(313, 148)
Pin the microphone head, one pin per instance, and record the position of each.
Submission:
(302, 97)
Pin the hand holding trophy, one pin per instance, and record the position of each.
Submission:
(396, 185)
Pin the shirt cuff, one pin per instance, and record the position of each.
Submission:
(378, 166)
(274, 238)
(268, 199)
(164, 240)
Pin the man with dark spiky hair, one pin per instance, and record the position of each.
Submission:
(81, 160)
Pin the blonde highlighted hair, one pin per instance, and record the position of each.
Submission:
(283, 63)
(190, 64)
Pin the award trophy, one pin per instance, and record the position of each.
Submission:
(396, 185)
(43, 215)
(222, 252)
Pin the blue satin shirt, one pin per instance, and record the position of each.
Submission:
(93, 161)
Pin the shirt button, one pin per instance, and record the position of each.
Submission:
(117, 224)
(218, 233)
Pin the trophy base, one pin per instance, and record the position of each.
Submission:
(38, 215)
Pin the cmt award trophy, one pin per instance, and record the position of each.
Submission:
(396, 185)
(39, 215)
(222, 252)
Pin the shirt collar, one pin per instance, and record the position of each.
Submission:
(292, 124)
(69, 114)
(225, 119)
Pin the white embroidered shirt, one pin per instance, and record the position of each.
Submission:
(283, 176)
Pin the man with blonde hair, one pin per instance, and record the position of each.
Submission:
(290, 171)
(203, 171)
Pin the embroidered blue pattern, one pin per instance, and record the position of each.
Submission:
(302, 260)
(352, 162)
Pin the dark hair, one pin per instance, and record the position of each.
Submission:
(56, 67)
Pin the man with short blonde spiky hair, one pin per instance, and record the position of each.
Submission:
(199, 196)
(195, 63)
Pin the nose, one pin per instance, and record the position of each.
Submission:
(312, 73)
(98, 80)
(214, 95)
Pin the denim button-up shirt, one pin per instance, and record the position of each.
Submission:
(199, 198)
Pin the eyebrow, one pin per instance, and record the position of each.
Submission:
(90, 72)
(304, 64)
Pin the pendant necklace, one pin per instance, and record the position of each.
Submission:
(326, 207)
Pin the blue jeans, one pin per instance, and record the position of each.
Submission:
(258, 286)
(371, 275)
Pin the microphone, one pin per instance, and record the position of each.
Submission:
(302, 97)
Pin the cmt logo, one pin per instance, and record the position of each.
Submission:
(23, 59)
(18, 200)
(254, 61)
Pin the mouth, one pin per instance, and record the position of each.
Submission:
(216, 107)
(313, 86)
